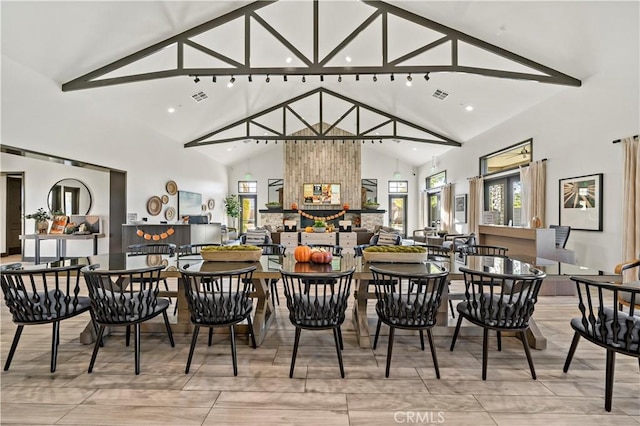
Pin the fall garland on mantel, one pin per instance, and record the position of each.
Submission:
(325, 218)
(154, 237)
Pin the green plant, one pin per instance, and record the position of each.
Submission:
(232, 206)
(39, 216)
(319, 224)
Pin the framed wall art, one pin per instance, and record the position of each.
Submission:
(460, 208)
(581, 202)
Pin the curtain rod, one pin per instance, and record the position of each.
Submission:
(620, 140)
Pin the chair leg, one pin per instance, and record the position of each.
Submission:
(389, 350)
(525, 343)
(166, 287)
(55, 341)
(421, 340)
(95, 348)
(611, 368)
(433, 353)
(340, 338)
(455, 333)
(253, 336)
(210, 336)
(485, 352)
(375, 339)
(14, 345)
(274, 292)
(232, 332)
(166, 323)
(572, 351)
(136, 343)
(95, 325)
(194, 340)
(127, 337)
(338, 351)
(295, 352)
(499, 341)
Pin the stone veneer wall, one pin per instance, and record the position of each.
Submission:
(322, 162)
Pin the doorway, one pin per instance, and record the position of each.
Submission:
(398, 213)
(13, 213)
(248, 212)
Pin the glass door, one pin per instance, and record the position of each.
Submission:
(433, 200)
(248, 212)
(398, 213)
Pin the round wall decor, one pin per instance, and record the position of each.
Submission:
(211, 204)
(170, 213)
(204, 207)
(154, 205)
(165, 199)
(172, 187)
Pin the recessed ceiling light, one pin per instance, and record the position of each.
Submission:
(347, 58)
(377, 133)
(469, 108)
(288, 60)
(171, 110)
(229, 149)
(414, 148)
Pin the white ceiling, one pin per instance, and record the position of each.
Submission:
(63, 40)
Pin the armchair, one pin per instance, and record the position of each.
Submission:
(624, 298)
(420, 235)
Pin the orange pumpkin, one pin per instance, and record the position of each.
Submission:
(294, 206)
(147, 236)
(308, 229)
(302, 254)
(170, 231)
(164, 235)
(139, 233)
(156, 238)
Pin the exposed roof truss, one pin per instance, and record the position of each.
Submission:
(204, 49)
(322, 112)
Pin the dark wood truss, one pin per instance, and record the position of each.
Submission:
(317, 65)
(323, 131)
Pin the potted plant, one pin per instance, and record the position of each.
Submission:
(319, 226)
(42, 220)
(273, 205)
(232, 207)
(370, 205)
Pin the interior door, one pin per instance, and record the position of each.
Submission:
(14, 215)
(248, 212)
(398, 213)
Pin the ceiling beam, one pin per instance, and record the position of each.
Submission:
(287, 134)
(317, 65)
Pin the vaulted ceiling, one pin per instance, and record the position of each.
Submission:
(65, 40)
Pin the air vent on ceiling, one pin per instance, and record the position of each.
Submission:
(440, 94)
(199, 96)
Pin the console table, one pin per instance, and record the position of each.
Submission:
(61, 242)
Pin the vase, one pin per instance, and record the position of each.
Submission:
(42, 226)
(319, 229)
(536, 222)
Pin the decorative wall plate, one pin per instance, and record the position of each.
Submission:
(211, 204)
(172, 187)
(154, 205)
(154, 259)
(204, 207)
(165, 199)
(170, 213)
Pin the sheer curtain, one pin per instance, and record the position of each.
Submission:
(446, 210)
(476, 190)
(533, 180)
(631, 207)
(423, 219)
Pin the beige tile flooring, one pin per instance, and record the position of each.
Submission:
(263, 393)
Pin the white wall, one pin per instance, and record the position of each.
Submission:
(3, 212)
(574, 131)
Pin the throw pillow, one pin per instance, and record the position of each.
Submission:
(256, 237)
(387, 238)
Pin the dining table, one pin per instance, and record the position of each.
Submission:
(268, 267)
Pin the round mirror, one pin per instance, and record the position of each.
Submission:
(70, 196)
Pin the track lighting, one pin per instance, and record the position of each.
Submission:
(392, 77)
(284, 77)
(250, 78)
(357, 77)
(426, 77)
(375, 78)
(409, 81)
(380, 140)
(321, 77)
(339, 79)
(372, 141)
(214, 79)
(267, 79)
(196, 80)
(257, 141)
(230, 83)
(304, 79)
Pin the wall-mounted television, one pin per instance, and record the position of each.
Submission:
(189, 204)
(325, 194)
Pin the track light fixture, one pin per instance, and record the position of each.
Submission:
(426, 77)
(380, 140)
(196, 80)
(284, 77)
(357, 77)
(250, 78)
(409, 80)
(257, 141)
(230, 83)
(392, 77)
(304, 79)
(268, 79)
(375, 78)
(339, 79)
(214, 79)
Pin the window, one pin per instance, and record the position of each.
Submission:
(509, 158)
(434, 186)
(502, 197)
(247, 187)
(398, 187)
(437, 180)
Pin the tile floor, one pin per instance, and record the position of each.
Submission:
(263, 393)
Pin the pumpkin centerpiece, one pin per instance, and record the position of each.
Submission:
(321, 256)
(302, 254)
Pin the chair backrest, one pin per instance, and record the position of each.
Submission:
(334, 249)
(122, 297)
(317, 300)
(386, 238)
(152, 248)
(272, 249)
(42, 294)
(600, 319)
(409, 298)
(433, 250)
(562, 235)
(193, 249)
(256, 236)
(502, 300)
(226, 302)
(484, 250)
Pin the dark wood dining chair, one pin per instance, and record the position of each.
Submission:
(42, 295)
(273, 250)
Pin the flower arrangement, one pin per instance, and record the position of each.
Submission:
(319, 224)
(39, 216)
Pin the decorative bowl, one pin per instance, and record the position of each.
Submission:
(273, 206)
(371, 206)
(232, 255)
